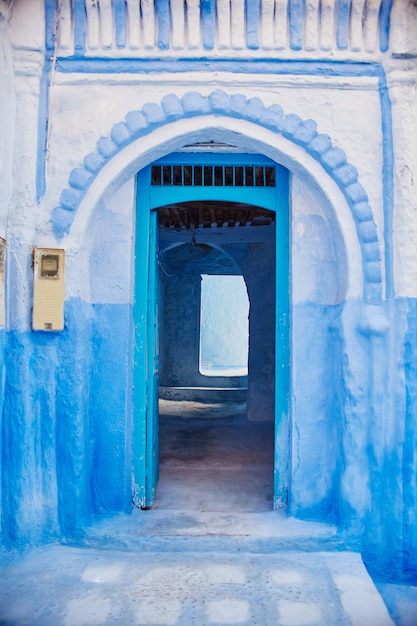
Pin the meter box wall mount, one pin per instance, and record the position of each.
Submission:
(48, 289)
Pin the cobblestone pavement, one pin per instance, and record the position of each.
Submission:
(64, 586)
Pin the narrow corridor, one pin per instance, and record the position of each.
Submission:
(213, 459)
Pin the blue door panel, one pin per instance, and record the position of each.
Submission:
(282, 348)
(145, 376)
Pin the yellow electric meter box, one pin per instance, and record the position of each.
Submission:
(2, 273)
(48, 289)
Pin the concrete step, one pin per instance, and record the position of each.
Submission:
(204, 531)
(64, 586)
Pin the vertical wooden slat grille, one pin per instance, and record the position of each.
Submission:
(217, 175)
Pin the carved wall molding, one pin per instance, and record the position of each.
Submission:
(139, 123)
(135, 28)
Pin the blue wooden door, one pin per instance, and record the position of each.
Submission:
(146, 348)
(282, 344)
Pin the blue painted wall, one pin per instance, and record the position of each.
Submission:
(46, 437)
(65, 406)
(356, 428)
(110, 412)
(67, 425)
(2, 381)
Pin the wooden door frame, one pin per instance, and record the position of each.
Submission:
(272, 199)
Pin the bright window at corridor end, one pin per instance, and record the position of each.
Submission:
(224, 326)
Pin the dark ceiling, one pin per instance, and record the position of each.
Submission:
(213, 214)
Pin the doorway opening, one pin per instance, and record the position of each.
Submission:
(196, 322)
(212, 458)
(217, 431)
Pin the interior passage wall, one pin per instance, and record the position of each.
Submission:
(257, 262)
(181, 270)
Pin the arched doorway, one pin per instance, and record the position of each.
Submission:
(247, 180)
(331, 208)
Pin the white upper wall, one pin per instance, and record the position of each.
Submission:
(103, 222)
(7, 109)
(81, 106)
(28, 24)
(345, 108)
(403, 94)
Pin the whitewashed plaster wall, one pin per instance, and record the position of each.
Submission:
(7, 109)
(21, 66)
(256, 140)
(403, 93)
(353, 122)
(347, 120)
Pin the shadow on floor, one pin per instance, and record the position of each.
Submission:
(213, 459)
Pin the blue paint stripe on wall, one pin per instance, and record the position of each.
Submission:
(259, 66)
(410, 443)
(43, 112)
(50, 16)
(50, 19)
(296, 16)
(164, 23)
(2, 344)
(253, 8)
(80, 26)
(384, 24)
(387, 181)
(208, 15)
(342, 30)
(119, 7)
(2, 381)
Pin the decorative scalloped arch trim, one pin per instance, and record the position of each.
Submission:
(302, 132)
